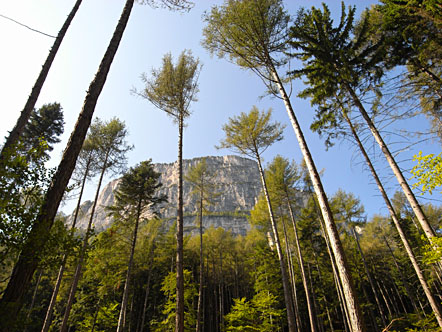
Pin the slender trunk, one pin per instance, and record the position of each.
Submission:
(434, 305)
(295, 298)
(308, 294)
(122, 317)
(341, 297)
(319, 323)
(77, 275)
(385, 296)
(24, 269)
(146, 295)
(403, 279)
(48, 319)
(323, 296)
(401, 300)
(97, 310)
(370, 280)
(34, 295)
(25, 114)
(179, 320)
(221, 292)
(290, 268)
(285, 283)
(200, 288)
(428, 230)
(354, 310)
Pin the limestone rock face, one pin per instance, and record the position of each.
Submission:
(238, 184)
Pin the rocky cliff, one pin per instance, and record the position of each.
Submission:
(238, 184)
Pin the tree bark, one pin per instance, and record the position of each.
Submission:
(434, 305)
(122, 317)
(179, 319)
(428, 230)
(24, 269)
(354, 310)
(285, 283)
(25, 114)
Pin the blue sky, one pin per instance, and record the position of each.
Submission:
(225, 90)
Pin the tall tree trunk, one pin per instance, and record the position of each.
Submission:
(97, 310)
(25, 114)
(77, 275)
(122, 317)
(308, 294)
(370, 280)
(354, 310)
(338, 285)
(200, 288)
(179, 320)
(221, 292)
(295, 297)
(48, 318)
(403, 279)
(290, 270)
(434, 305)
(285, 283)
(34, 295)
(319, 323)
(24, 269)
(428, 230)
(146, 295)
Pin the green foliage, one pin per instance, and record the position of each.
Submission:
(168, 311)
(202, 182)
(433, 250)
(428, 171)
(103, 320)
(22, 184)
(45, 124)
(251, 133)
(412, 30)
(415, 323)
(136, 192)
(108, 138)
(251, 33)
(173, 87)
(264, 311)
(337, 60)
(258, 314)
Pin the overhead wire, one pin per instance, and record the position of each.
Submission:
(26, 26)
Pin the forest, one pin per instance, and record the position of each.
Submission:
(310, 260)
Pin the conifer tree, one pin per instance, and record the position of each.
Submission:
(251, 134)
(45, 124)
(136, 193)
(338, 63)
(254, 35)
(172, 89)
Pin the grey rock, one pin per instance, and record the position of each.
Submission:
(238, 183)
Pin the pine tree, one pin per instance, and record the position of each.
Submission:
(135, 194)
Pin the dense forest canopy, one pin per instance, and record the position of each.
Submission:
(327, 96)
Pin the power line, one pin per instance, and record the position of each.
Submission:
(28, 27)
